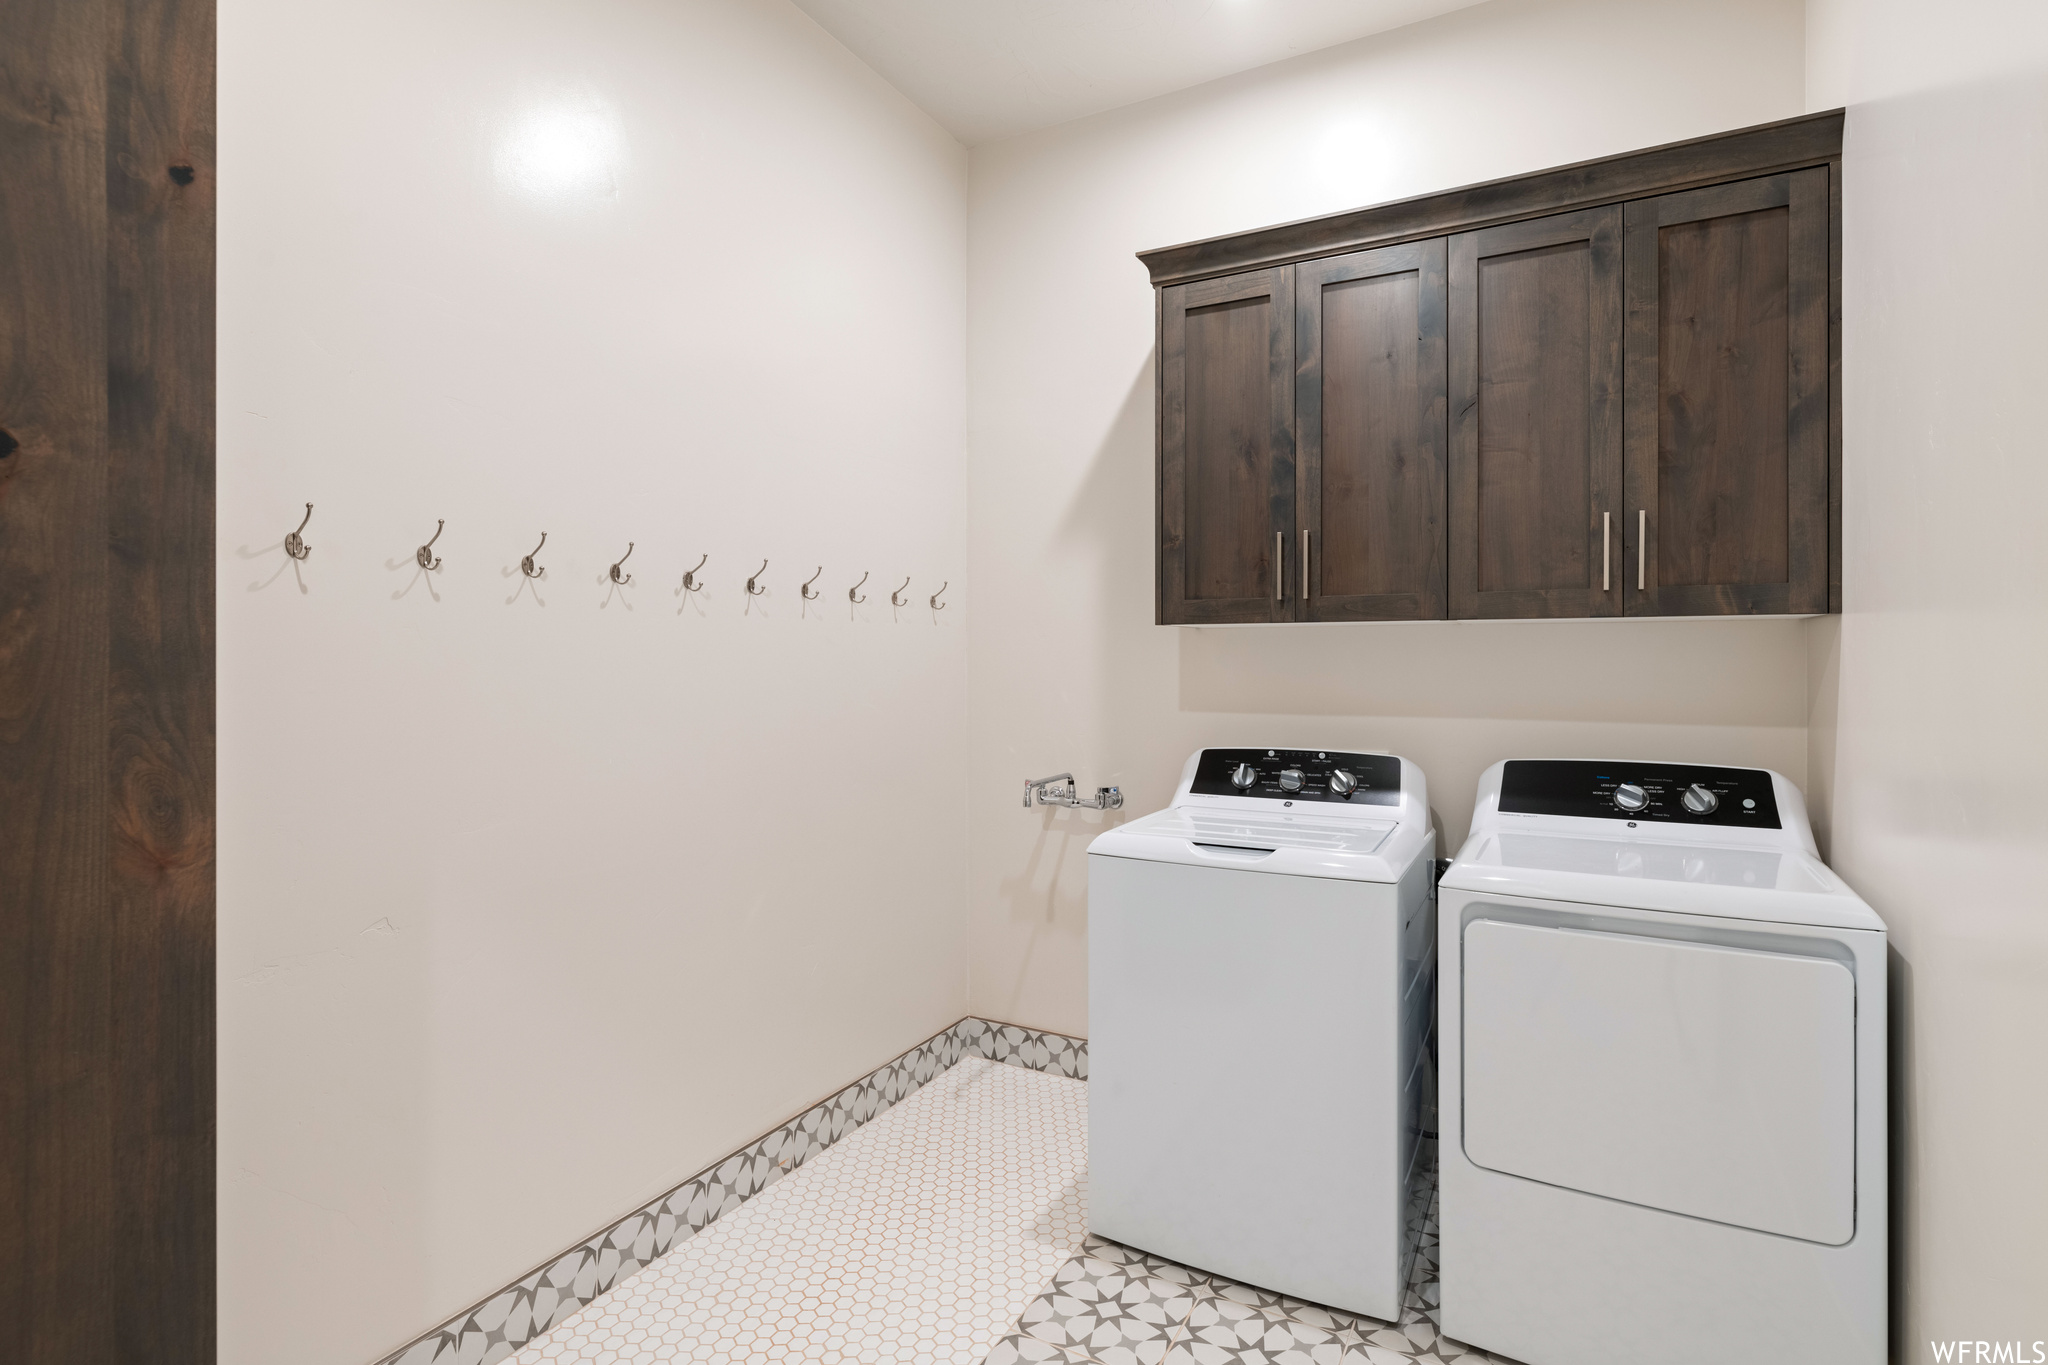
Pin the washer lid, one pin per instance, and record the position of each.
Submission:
(1776, 885)
(1304, 826)
(1296, 845)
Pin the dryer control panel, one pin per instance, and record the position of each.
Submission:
(1659, 793)
(1300, 775)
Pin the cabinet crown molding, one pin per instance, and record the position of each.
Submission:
(1767, 148)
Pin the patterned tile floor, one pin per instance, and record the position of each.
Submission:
(916, 1240)
(950, 1230)
(1112, 1305)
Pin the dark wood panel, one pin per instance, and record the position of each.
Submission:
(1226, 449)
(1370, 404)
(160, 338)
(56, 1149)
(1535, 417)
(1728, 420)
(1536, 431)
(1720, 377)
(1230, 448)
(1366, 501)
(106, 692)
(1835, 385)
(1812, 139)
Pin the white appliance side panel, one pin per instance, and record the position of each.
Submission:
(1705, 1080)
(1245, 1076)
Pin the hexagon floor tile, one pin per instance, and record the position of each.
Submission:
(919, 1239)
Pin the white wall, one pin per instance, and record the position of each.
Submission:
(1067, 669)
(497, 892)
(1935, 743)
(530, 908)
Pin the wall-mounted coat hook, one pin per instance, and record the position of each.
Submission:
(753, 591)
(854, 595)
(528, 567)
(690, 583)
(896, 598)
(809, 596)
(425, 556)
(623, 578)
(293, 546)
(937, 605)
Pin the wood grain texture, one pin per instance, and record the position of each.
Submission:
(1728, 399)
(56, 1147)
(1812, 139)
(1535, 417)
(1741, 504)
(1226, 454)
(1536, 422)
(1229, 448)
(1370, 433)
(1835, 384)
(1159, 568)
(106, 693)
(1720, 395)
(160, 179)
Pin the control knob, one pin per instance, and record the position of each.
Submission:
(1342, 783)
(1700, 801)
(1244, 776)
(1630, 797)
(1290, 779)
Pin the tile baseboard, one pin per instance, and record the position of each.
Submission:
(501, 1323)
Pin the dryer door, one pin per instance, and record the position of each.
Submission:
(1713, 1081)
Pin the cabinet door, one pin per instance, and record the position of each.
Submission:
(1536, 421)
(1370, 403)
(1226, 448)
(1728, 398)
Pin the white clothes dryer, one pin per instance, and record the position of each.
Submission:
(1259, 979)
(1662, 1033)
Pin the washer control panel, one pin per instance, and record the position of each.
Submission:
(1664, 793)
(1300, 775)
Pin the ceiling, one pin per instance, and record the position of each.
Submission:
(989, 69)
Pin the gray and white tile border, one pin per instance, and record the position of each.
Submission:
(505, 1321)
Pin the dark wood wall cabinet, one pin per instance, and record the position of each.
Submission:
(1609, 389)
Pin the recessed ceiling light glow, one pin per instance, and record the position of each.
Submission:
(565, 150)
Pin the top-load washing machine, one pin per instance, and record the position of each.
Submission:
(1662, 1053)
(1259, 983)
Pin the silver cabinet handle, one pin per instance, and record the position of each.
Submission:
(1304, 563)
(1642, 549)
(1606, 528)
(1279, 564)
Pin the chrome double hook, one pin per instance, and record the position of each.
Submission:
(528, 567)
(808, 595)
(295, 547)
(425, 556)
(690, 583)
(896, 598)
(937, 605)
(850, 592)
(753, 591)
(617, 577)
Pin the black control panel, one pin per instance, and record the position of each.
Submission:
(1660, 793)
(1300, 775)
